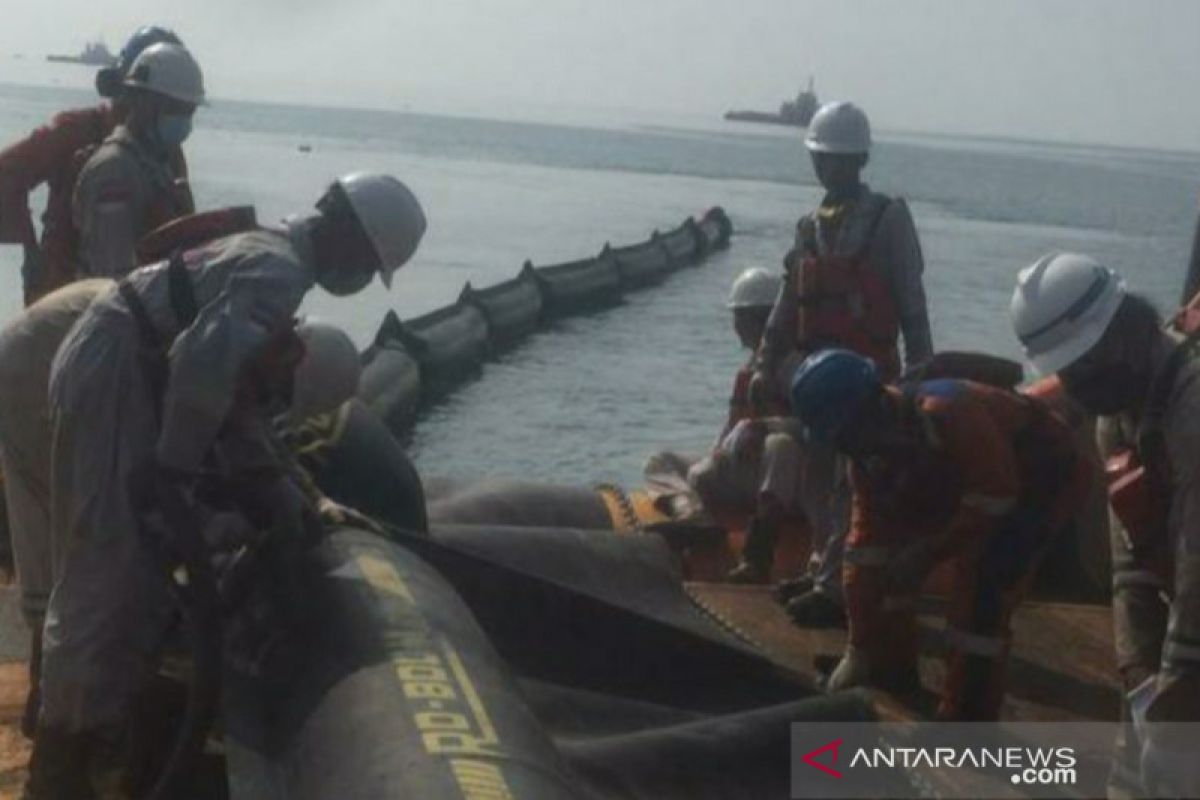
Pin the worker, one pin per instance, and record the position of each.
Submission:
(853, 280)
(139, 390)
(328, 371)
(1076, 319)
(751, 299)
(49, 156)
(129, 186)
(942, 471)
(750, 479)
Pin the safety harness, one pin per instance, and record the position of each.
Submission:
(154, 345)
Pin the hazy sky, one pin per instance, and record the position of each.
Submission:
(1114, 71)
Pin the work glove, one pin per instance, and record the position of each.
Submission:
(164, 497)
(278, 505)
(334, 514)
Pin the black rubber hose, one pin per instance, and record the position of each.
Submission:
(201, 605)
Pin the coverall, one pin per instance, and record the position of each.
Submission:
(124, 191)
(994, 476)
(105, 615)
(51, 155)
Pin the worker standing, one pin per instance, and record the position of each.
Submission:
(129, 186)
(1109, 349)
(139, 391)
(51, 155)
(853, 280)
(942, 471)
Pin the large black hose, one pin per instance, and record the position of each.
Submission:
(601, 612)
(193, 581)
(383, 688)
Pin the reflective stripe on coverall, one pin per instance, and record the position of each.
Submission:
(106, 611)
(998, 478)
(888, 242)
(124, 191)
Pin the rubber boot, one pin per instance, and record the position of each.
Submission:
(794, 587)
(757, 554)
(816, 609)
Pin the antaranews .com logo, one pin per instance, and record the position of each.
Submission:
(950, 760)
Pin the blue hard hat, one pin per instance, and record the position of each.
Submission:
(141, 39)
(110, 79)
(828, 389)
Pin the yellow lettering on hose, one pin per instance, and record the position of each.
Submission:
(479, 780)
(446, 706)
(472, 696)
(382, 577)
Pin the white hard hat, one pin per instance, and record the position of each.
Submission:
(390, 214)
(754, 288)
(327, 376)
(1061, 307)
(839, 127)
(168, 69)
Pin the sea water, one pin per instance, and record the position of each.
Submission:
(589, 399)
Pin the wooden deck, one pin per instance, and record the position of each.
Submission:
(1062, 668)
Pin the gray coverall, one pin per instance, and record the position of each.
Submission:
(123, 192)
(888, 238)
(107, 608)
(27, 346)
(1156, 592)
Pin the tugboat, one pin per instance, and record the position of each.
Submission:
(796, 113)
(94, 54)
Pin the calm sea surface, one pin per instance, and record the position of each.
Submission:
(590, 399)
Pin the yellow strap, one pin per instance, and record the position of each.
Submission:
(629, 511)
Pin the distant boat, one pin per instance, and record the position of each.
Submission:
(796, 113)
(95, 54)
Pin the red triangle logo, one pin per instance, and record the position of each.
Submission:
(811, 758)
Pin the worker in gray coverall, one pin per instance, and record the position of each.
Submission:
(1113, 357)
(140, 389)
(129, 186)
(326, 376)
(853, 281)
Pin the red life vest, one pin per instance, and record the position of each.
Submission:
(845, 302)
(193, 230)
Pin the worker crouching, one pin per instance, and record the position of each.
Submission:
(941, 471)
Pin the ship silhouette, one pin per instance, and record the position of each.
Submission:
(796, 113)
(94, 54)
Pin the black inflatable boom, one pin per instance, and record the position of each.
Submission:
(416, 362)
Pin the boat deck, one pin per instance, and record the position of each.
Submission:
(1062, 669)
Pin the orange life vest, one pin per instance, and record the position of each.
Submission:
(193, 230)
(845, 302)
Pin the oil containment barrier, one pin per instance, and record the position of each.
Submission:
(414, 363)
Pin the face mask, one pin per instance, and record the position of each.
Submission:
(1106, 391)
(174, 129)
(342, 281)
